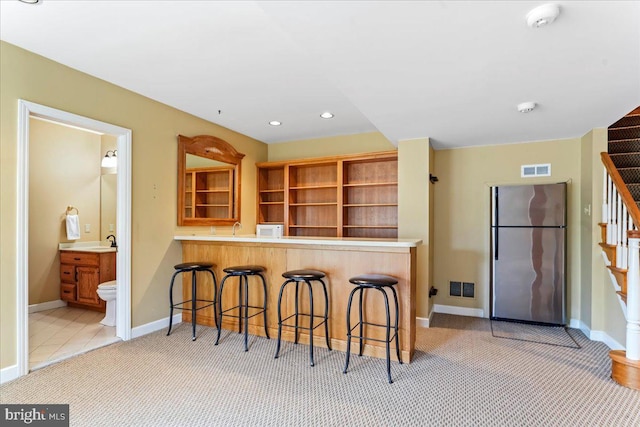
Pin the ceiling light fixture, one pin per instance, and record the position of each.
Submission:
(30, 1)
(275, 123)
(526, 107)
(543, 15)
(326, 115)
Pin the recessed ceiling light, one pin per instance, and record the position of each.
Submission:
(326, 115)
(543, 15)
(275, 123)
(526, 107)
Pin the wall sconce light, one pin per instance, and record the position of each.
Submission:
(110, 160)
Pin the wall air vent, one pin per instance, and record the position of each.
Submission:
(530, 171)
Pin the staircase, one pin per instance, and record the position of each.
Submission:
(621, 238)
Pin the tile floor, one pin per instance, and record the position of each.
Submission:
(63, 332)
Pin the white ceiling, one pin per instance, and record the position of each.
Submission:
(452, 71)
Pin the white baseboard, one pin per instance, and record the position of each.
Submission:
(606, 339)
(459, 311)
(148, 328)
(600, 336)
(9, 373)
(49, 305)
(422, 322)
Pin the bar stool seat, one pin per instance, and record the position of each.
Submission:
(242, 272)
(297, 277)
(381, 283)
(192, 304)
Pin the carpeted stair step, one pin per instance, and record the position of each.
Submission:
(630, 120)
(626, 160)
(630, 175)
(634, 189)
(624, 146)
(630, 132)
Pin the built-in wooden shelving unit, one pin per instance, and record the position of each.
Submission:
(341, 196)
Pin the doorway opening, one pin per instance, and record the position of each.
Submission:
(27, 110)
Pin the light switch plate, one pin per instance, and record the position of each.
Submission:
(87, 228)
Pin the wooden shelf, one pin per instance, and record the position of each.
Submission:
(370, 184)
(280, 190)
(272, 203)
(370, 226)
(313, 226)
(313, 187)
(315, 204)
(365, 205)
(208, 205)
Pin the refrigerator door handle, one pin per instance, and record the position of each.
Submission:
(496, 223)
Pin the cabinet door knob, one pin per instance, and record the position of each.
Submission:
(76, 259)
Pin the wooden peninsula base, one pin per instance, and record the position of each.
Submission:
(340, 259)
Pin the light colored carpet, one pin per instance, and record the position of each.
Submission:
(461, 376)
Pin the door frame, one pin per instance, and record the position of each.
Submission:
(123, 219)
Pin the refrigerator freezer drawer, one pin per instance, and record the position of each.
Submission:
(528, 275)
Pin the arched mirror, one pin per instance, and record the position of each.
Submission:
(208, 181)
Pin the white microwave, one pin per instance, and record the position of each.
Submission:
(269, 230)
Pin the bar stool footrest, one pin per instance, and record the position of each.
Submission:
(260, 310)
(319, 317)
(209, 304)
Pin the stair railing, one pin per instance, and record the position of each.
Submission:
(622, 217)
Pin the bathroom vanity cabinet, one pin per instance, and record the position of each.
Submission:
(81, 273)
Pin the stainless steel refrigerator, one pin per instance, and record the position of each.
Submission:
(528, 253)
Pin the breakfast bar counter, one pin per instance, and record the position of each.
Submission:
(339, 258)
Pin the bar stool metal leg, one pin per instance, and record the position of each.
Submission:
(264, 306)
(246, 313)
(194, 304)
(284, 285)
(361, 321)
(295, 330)
(387, 333)
(326, 314)
(346, 365)
(171, 301)
(224, 279)
(395, 298)
(310, 322)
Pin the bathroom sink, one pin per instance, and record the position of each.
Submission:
(93, 249)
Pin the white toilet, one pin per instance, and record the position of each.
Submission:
(107, 291)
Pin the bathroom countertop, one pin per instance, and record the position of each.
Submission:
(93, 247)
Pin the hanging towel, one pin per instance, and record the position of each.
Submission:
(73, 227)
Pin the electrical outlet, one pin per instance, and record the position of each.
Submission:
(87, 228)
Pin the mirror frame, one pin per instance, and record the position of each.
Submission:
(212, 148)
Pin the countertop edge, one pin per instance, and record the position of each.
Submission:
(410, 243)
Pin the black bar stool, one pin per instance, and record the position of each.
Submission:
(297, 277)
(193, 268)
(381, 283)
(243, 272)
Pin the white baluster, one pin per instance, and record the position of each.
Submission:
(624, 253)
(619, 232)
(609, 210)
(605, 196)
(633, 299)
(614, 216)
